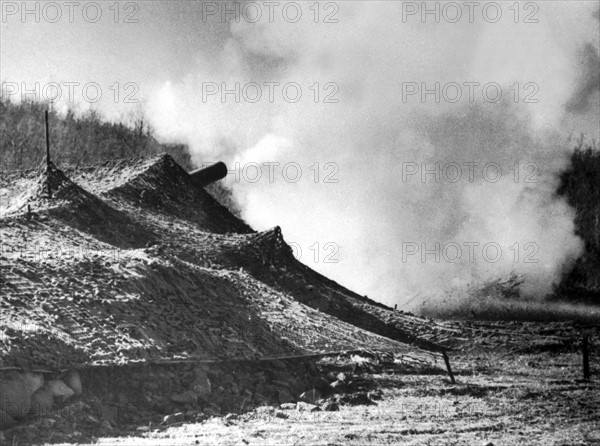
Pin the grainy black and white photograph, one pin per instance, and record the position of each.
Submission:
(311, 222)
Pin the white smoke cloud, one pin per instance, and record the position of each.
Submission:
(372, 212)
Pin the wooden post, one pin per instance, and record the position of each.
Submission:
(586, 358)
(47, 139)
(447, 361)
(48, 153)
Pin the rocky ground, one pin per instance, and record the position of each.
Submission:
(504, 395)
(510, 403)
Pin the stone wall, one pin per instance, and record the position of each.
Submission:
(115, 396)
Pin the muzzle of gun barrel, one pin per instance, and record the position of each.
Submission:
(207, 175)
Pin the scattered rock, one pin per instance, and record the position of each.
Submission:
(73, 380)
(59, 389)
(287, 406)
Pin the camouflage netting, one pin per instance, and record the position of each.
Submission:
(127, 262)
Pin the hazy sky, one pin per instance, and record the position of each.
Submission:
(160, 47)
(541, 56)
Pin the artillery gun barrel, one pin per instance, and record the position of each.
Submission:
(207, 175)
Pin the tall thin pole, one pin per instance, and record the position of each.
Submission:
(47, 140)
(48, 154)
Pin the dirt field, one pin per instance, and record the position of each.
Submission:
(530, 399)
(534, 395)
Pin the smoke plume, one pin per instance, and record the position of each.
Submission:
(404, 226)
